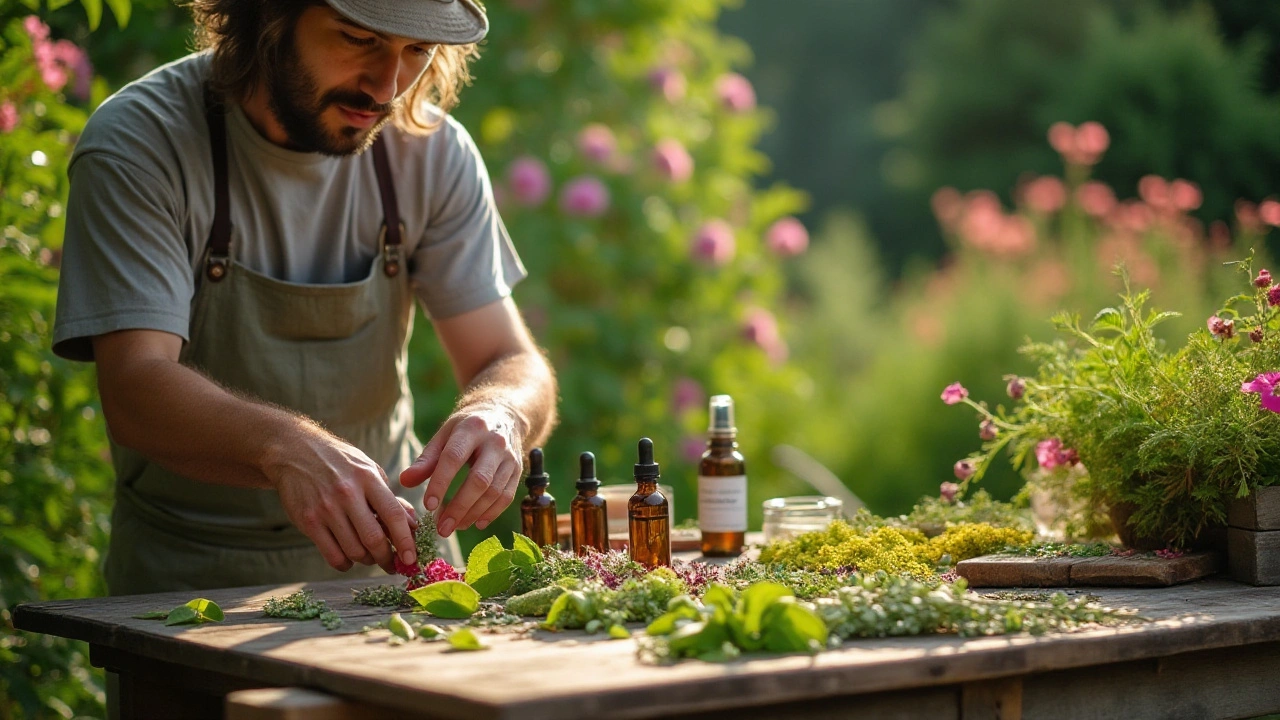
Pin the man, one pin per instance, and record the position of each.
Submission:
(246, 232)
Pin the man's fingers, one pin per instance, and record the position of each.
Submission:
(349, 539)
(396, 521)
(482, 487)
(506, 485)
(329, 548)
(456, 453)
(425, 465)
(410, 514)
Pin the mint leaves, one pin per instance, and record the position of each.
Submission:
(448, 599)
(197, 611)
(766, 617)
(490, 565)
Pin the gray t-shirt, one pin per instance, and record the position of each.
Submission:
(141, 206)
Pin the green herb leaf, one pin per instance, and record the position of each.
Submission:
(400, 627)
(755, 600)
(478, 560)
(465, 639)
(789, 627)
(207, 610)
(448, 599)
(525, 552)
(152, 615)
(719, 595)
(182, 615)
(489, 568)
(618, 632)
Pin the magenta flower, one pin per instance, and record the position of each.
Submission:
(439, 570)
(584, 196)
(787, 237)
(1263, 280)
(1225, 329)
(1264, 385)
(761, 329)
(988, 430)
(954, 393)
(1050, 454)
(964, 469)
(1269, 212)
(1096, 198)
(35, 28)
(8, 117)
(1016, 388)
(1045, 195)
(687, 394)
(71, 57)
(1079, 146)
(714, 243)
(735, 92)
(597, 143)
(1273, 296)
(672, 160)
(1186, 195)
(669, 82)
(948, 490)
(529, 181)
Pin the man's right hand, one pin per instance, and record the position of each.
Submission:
(196, 428)
(336, 495)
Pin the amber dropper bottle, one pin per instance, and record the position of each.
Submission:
(538, 509)
(587, 513)
(648, 516)
(722, 485)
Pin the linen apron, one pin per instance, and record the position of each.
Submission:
(336, 353)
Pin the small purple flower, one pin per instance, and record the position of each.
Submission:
(787, 237)
(1263, 280)
(529, 181)
(964, 469)
(1273, 296)
(1047, 453)
(735, 92)
(669, 82)
(597, 143)
(949, 490)
(1016, 388)
(954, 393)
(1264, 385)
(672, 161)
(1225, 329)
(988, 430)
(714, 243)
(584, 196)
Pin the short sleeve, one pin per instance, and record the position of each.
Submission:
(125, 264)
(465, 258)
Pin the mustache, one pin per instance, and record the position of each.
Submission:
(358, 101)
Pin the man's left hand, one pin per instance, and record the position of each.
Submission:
(486, 437)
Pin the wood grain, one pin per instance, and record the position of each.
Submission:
(1254, 556)
(572, 675)
(1133, 571)
(1259, 511)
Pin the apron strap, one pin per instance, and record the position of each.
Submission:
(217, 256)
(392, 230)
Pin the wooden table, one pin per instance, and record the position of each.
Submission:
(1212, 650)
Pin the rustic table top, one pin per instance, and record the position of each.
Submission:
(573, 675)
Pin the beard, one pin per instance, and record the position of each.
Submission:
(299, 106)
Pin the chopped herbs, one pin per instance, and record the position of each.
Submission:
(302, 605)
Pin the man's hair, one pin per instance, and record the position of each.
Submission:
(245, 35)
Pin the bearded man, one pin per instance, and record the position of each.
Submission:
(247, 230)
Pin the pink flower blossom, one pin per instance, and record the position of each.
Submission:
(1225, 329)
(1016, 388)
(1269, 212)
(761, 328)
(440, 569)
(714, 243)
(1273, 296)
(71, 57)
(787, 237)
(735, 92)
(1248, 217)
(1045, 195)
(1169, 553)
(1079, 146)
(964, 469)
(584, 196)
(988, 430)
(8, 117)
(1186, 195)
(948, 207)
(669, 82)
(597, 143)
(529, 181)
(1092, 140)
(691, 448)
(1096, 198)
(1264, 385)
(1050, 454)
(954, 393)
(687, 394)
(948, 490)
(35, 28)
(1263, 280)
(1256, 334)
(672, 160)
(1154, 191)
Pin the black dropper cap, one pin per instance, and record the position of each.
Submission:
(537, 477)
(587, 472)
(646, 469)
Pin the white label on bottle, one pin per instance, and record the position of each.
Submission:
(722, 503)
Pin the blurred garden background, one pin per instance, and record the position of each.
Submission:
(829, 209)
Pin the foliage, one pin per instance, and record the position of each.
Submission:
(555, 564)
(1057, 549)
(382, 596)
(534, 603)
(764, 617)
(195, 611)
(884, 605)
(302, 605)
(465, 639)
(932, 515)
(447, 599)
(490, 566)
(595, 606)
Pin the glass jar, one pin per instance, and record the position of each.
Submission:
(787, 517)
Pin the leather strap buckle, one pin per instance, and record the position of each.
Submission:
(216, 267)
(392, 255)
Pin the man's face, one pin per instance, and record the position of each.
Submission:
(337, 83)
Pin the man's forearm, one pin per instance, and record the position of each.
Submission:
(192, 426)
(522, 383)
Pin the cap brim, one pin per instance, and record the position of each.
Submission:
(448, 22)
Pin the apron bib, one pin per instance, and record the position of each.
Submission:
(336, 353)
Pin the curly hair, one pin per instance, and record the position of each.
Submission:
(245, 35)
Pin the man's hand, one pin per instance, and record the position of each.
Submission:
(486, 437)
(339, 498)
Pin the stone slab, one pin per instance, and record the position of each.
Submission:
(1111, 571)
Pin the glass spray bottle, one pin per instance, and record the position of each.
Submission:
(722, 485)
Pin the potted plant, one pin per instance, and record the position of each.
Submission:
(1127, 432)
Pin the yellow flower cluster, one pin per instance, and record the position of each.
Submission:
(899, 551)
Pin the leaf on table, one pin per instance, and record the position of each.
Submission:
(400, 627)
(152, 615)
(182, 615)
(448, 599)
(465, 639)
(208, 610)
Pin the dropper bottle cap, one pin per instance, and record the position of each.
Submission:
(646, 469)
(721, 416)
(538, 478)
(587, 472)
